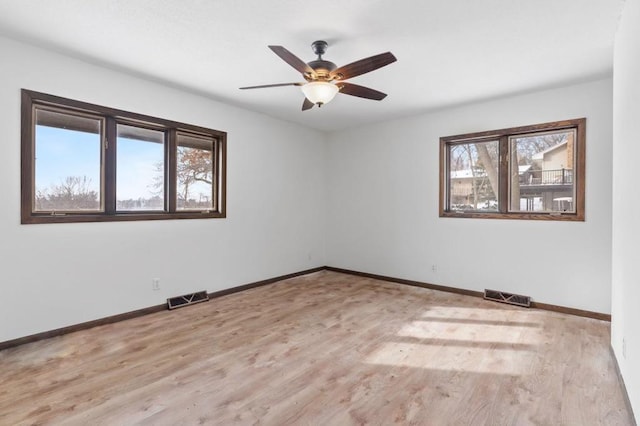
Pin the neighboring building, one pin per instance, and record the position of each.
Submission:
(547, 185)
(462, 189)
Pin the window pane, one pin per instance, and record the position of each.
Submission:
(67, 168)
(541, 172)
(140, 169)
(195, 164)
(473, 176)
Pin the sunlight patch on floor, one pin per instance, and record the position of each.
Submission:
(453, 358)
(475, 313)
(467, 332)
(466, 339)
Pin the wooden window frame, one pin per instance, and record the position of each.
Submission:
(502, 136)
(32, 100)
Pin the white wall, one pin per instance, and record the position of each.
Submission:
(373, 190)
(626, 202)
(56, 275)
(383, 205)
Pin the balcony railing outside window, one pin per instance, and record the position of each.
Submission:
(547, 177)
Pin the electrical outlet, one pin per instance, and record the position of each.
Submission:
(434, 268)
(155, 284)
(624, 348)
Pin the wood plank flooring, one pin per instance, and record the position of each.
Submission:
(322, 349)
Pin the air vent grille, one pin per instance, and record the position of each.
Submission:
(187, 299)
(511, 299)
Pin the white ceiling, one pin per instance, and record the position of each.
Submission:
(449, 52)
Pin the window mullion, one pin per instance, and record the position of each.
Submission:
(503, 175)
(170, 178)
(221, 173)
(28, 202)
(215, 152)
(110, 151)
(445, 181)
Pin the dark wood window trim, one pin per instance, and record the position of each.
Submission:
(31, 100)
(502, 136)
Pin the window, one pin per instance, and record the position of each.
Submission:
(140, 168)
(87, 163)
(531, 172)
(195, 168)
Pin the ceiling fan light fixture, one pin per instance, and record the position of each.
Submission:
(320, 92)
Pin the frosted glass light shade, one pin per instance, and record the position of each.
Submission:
(320, 92)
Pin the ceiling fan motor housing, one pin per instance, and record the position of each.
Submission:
(320, 66)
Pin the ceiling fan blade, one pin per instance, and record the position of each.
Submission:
(361, 91)
(307, 104)
(363, 66)
(293, 60)
(272, 85)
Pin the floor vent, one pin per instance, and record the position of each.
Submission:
(512, 299)
(187, 299)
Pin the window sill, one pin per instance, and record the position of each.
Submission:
(562, 217)
(36, 218)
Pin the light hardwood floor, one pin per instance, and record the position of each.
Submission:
(322, 349)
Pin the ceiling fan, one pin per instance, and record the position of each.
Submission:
(324, 79)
